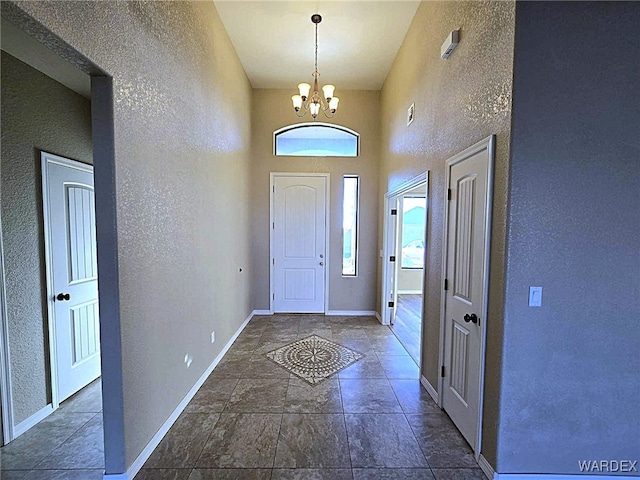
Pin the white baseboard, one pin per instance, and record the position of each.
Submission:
(486, 467)
(490, 473)
(378, 317)
(33, 420)
(261, 312)
(429, 388)
(551, 476)
(409, 292)
(352, 313)
(157, 438)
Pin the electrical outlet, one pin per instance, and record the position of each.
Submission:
(213, 337)
(188, 359)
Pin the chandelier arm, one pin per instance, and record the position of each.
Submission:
(327, 115)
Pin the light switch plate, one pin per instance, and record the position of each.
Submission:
(535, 296)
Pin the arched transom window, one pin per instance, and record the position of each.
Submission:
(315, 139)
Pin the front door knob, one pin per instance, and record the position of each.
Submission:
(321, 255)
(321, 264)
(471, 318)
(63, 296)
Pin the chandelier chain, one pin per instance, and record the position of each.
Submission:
(316, 53)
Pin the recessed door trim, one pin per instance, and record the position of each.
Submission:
(49, 159)
(327, 260)
(487, 144)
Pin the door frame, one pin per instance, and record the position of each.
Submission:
(50, 159)
(6, 394)
(327, 223)
(487, 144)
(388, 244)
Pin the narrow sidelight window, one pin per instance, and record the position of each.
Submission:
(351, 184)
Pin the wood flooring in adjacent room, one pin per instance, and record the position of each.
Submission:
(408, 324)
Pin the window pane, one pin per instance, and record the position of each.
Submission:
(414, 216)
(350, 226)
(316, 140)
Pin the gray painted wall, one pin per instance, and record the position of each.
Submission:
(38, 114)
(182, 106)
(570, 383)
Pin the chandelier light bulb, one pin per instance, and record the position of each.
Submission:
(328, 92)
(333, 104)
(297, 102)
(304, 90)
(314, 108)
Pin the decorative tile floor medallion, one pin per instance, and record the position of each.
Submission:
(314, 358)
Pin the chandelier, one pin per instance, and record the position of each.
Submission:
(326, 102)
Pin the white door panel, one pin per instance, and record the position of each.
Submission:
(71, 241)
(298, 263)
(465, 299)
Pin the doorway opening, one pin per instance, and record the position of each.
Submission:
(405, 243)
(64, 106)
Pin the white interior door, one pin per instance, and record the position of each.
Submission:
(466, 294)
(70, 231)
(298, 243)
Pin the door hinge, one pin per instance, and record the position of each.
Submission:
(391, 304)
(392, 258)
(273, 225)
(448, 194)
(273, 261)
(446, 284)
(273, 296)
(274, 189)
(394, 211)
(442, 371)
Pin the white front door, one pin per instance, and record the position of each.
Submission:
(466, 293)
(70, 238)
(298, 243)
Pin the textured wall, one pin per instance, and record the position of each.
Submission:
(458, 102)
(571, 384)
(38, 114)
(358, 111)
(182, 136)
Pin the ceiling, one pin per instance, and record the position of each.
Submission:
(357, 40)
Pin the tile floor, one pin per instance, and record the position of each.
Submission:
(252, 419)
(67, 445)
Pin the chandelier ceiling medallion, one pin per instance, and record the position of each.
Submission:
(326, 102)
